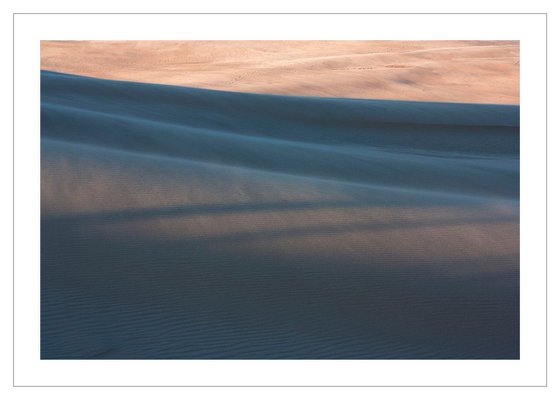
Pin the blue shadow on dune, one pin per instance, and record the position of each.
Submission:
(183, 223)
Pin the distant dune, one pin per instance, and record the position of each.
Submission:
(189, 223)
(459, 71)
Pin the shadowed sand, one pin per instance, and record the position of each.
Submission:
(189, 223)
(461, 71)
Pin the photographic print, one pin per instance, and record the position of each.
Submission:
(273, 200)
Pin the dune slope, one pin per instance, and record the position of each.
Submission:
(191, 223)
(483, 71)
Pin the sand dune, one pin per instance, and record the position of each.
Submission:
(461, 71)
(190, 223)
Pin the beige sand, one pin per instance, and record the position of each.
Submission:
(462, 71)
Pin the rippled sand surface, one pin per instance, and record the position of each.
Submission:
(198, 224)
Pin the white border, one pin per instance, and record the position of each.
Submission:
(31, 371)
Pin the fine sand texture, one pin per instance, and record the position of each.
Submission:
(185, 223)
(458, 71)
